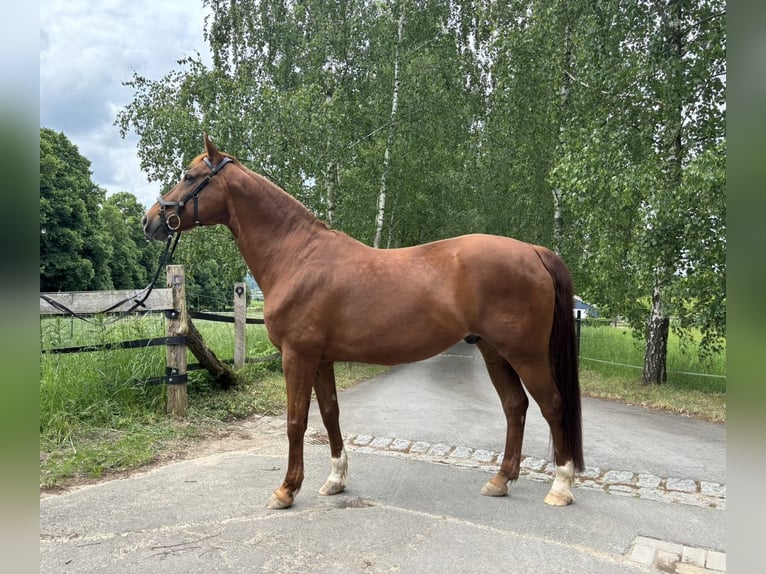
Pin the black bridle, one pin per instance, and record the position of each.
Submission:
(137, 299)
(173, 220)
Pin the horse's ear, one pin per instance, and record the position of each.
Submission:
(211, 151)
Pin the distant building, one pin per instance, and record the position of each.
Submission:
(586, 309)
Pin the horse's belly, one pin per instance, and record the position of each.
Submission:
(394, 342)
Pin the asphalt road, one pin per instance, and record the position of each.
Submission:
(450, 399)
(411, 505)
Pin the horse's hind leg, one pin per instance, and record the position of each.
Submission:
(539, 381)
(324, 387)
(515, 402)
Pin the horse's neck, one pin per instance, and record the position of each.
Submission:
(273, 230)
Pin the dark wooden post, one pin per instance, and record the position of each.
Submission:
(578, 325)
(176, 354)
(240, 321)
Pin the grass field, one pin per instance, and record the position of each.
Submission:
(611, 359)
(97, 418)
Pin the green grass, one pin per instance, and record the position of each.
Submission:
(97, 419)
(615, 373)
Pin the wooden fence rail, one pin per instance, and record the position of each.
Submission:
(170, 300)
(89, 302)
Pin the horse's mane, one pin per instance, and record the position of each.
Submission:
(197, 159)
(201, 156)
(257, 176)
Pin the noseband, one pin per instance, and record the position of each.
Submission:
(173, 220)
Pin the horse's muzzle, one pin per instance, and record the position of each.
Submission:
(154, 228)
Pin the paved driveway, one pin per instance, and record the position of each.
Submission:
(449, 399)
(422, 441)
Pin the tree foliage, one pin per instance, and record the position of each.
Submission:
(132, 260)
(643, 122)
(596, 128)
(73, 250)
(87, 241)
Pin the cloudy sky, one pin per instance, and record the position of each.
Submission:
(87, 50)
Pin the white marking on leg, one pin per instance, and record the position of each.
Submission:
(560, 493)
(564, 477)
(336, 482)
(339, 467)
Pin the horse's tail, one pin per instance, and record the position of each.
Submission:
(563, 354)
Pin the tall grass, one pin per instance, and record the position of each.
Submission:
(611, 362)
(97, 388)
(97, 416)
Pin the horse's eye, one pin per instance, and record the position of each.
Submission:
(188, 178)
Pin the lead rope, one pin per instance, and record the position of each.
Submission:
(138, 298)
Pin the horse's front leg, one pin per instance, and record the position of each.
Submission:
(300, 374)
(327, 397)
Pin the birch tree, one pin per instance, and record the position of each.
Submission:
(528, 47)
(393, 118)
(649, 99)
(594, 128)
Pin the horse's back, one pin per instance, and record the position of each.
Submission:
(400, 305)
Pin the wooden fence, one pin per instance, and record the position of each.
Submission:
(170, 300)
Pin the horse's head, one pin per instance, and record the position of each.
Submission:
(172, 212)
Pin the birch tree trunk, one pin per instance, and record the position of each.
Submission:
(558, 223)
(380, 218)
(332, 185)
(655, 359)
(657, 328)
(566, 88)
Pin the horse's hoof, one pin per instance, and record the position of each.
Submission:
(492, 489)
(330, 488)
(558, 498)
(277, 503)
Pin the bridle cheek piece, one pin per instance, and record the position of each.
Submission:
(173, 220)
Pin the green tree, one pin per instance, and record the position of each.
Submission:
(593, 128)
(433, 190)
(646, 128)
(525, 50)
(133, 259)
(302, 93)
(275, 98)
(74, 252)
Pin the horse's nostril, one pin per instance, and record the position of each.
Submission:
(144, 221)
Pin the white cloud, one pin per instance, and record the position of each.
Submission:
(87, 50)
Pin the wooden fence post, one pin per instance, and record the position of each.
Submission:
(578, 325)
(240, 321)
(177, 325)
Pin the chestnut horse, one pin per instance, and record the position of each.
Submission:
(331, 298)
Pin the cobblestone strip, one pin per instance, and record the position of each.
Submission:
(677, 558)
(618, 482)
